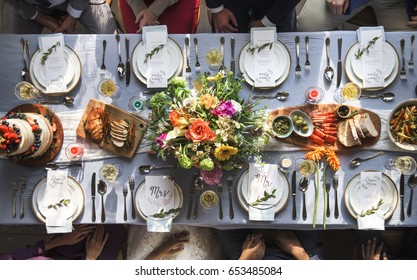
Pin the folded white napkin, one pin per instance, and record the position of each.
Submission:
(256, 214)
(52, 48)
(264, 62)
(159, 225)
(371, 222)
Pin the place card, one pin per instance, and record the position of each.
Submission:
(52, 50)
(370, 47)
(159, 194)
(156, 59)
(263, 53)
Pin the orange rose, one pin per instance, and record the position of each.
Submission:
(177, 119)
(199, 131)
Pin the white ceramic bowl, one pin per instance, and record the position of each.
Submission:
(409, 147)
(305, 118)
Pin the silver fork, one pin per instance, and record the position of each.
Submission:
(187, 55)
(25, 69)
(222, 68)
(125, 191)
(411, 62)
(132, 188)
(220, 191)
(14, 191)
(335, 185)
(403, 74)
(307, 64)
(23, 184)
(297, 53)
(197, 63)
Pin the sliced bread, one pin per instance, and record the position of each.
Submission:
(367, 126)
(357, 123)
(354, 132)
(344, 134)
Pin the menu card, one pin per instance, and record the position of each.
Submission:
(159, 199)
(156, 57)
(58, 215)
(372, 56)
(263, 191)
(52, 49)
(369, 194)
(262, 40)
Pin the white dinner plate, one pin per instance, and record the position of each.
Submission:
(140, 199)
(40, 70)
(74, 192)
(350, 73)
(389, 194)
(175, 60)
(282, 63)
(38, 79)
(243, 190)
(388, 60)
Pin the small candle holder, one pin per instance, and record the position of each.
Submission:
(136, 104)
(314, 95)
(74, 151)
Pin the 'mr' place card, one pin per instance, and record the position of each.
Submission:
(263, 183)
(159, 194)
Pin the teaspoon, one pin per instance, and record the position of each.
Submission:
(280, 96)
(387, 96)
(102, 189)
(303, 188)
(148, 168)
(328, 72)
(67, 100)
(412, 183)
(357, 161)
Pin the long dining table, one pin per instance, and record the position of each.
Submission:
(90, 51)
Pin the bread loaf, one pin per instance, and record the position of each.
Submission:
(357, 123)
(367, 126)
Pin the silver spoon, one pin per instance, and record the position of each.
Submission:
(412, 182)
(387, 96)
(303, 188)
(102, 189)
(148, 168)
(328, 72)
(67, 100)
(121, 69)
(357, 161)
(280, 96)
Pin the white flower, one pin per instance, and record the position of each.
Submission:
(236, 106)
(176, 132)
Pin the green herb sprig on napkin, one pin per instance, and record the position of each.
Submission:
(162, 214)
(62, 202)
(252, 49)
(48, 52)
(265, 197)
(372, 210)
(154, 51)
(361, 51)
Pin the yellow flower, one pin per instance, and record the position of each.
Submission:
(208, 101)
(224, 152)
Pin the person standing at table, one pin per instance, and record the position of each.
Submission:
(60, 16)
(180, 16)
(228, 16)
(270, 244)
(319, 15)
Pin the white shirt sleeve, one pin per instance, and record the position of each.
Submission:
(266, 22)
(73, 12)
(216, 10)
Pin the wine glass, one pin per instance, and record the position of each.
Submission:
(404, 164)
(111, 171)
(108, 88)
(349, 92)
(209, 199)
(306, 167)
(26, 91)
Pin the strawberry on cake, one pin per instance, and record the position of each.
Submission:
(25, 135)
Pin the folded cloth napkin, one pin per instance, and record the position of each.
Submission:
(155, 28)
(57, 203)
(52, 49)
(257, 214)
(159, 225)
(371, 222)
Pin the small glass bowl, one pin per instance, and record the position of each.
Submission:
(108, 88)
(314, 95)
(214, 58)
(286, 163)
(349, 92)
(26, 91)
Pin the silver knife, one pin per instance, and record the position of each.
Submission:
(339, 61)
(127, 62)
(232, 61)
(192, 190)
(294, 192)
(93, 197)
(402, 197)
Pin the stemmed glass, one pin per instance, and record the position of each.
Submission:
(404, 164)
(108, 88)
(306, 167)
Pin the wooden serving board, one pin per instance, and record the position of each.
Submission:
(306, 142)
(56, 144)
(114, 113)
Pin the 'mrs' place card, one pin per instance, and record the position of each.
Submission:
(159, 194)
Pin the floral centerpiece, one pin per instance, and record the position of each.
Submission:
(209, 127)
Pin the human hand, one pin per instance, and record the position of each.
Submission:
(145, 18)
(289, 243)
(174, 244)
(413, 20)
(80, 233)
(95, 243)
(224, 21)
(49, 22)
(370, 253)
(256, 23)
(253, 247)
(67, 26)
(338, 7)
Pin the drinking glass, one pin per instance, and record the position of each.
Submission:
(306, 167)
(214, 58)
(111, 171)
(286, 163)
(108, 88)
(74, 151)
(349, 92)
(26, 91)
(403, 164)
(209, 199)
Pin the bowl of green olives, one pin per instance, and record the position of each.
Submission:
(282, 126)
(302, 123)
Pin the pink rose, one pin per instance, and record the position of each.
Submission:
(213, 177)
